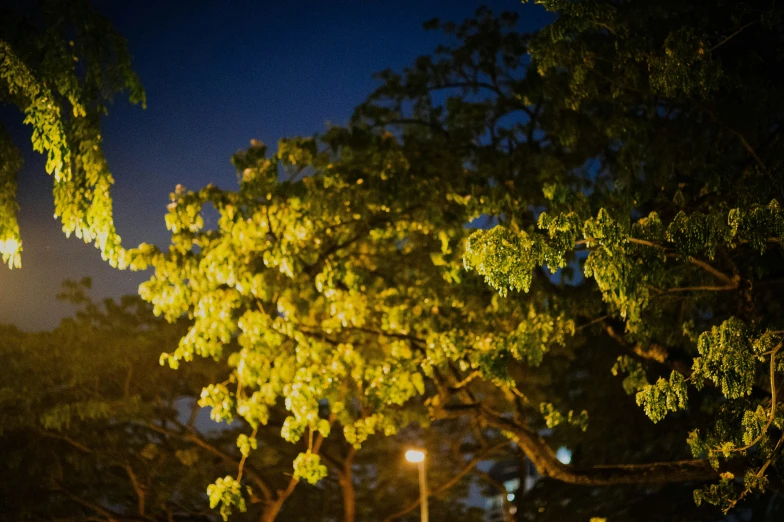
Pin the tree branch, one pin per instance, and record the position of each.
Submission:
(109, 515)
(746, 145)
(704, 288)
(138, 489)
(273, 507)
(731, 281)
(733, 35)
(654, 352)
(412, 121)
(76, 444)
(191, 436)
(773, 399)
(546, 463)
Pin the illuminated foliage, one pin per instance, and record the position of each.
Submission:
(498, 224)
(600, 158)
(60, 64)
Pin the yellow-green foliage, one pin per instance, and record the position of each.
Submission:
(63, 107)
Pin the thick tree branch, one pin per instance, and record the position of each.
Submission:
(730, 281)
(543, 457)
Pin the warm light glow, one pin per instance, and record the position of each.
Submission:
(415, 456)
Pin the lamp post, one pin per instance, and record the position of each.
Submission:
(418, 458)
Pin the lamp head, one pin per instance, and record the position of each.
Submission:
(415, 456)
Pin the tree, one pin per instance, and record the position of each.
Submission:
(91, 424)
(680, 222)
(630, 148)
(312, 324)
(61, 63)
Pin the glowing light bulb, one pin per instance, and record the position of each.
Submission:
(415, 455)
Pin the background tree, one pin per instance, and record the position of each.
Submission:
(86, 411)
(94, 429)
(61, 63)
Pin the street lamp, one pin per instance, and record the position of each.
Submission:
(418, 458)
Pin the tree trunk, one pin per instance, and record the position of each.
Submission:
(272, 507)
(271, 510)
(347, 487)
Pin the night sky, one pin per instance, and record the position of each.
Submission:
(216, 74)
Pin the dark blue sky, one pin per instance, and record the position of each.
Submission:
(217, 73)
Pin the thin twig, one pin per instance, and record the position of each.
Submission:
(705, 288)
(733, 35)
(773, 393)
(136, 487)
(245, 456)
(76, 444)
(594, 321)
